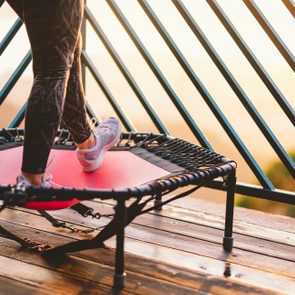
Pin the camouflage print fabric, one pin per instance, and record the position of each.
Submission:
(54, 31)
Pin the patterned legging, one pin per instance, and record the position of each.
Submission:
(54, 31)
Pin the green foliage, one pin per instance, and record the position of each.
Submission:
(281, 179)
(280, 176)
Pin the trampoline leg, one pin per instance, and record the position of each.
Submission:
(158, 201)
(119, 276)
(229, 214)
(9, 235)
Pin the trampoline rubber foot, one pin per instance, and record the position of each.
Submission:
(228, 243)
(158, 203)
(119, 281)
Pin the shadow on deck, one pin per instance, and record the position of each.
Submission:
(176, 251)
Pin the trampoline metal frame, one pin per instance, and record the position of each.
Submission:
(200, 167)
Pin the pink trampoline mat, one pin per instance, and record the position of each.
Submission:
(120, 169)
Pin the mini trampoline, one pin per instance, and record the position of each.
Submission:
(144, 168)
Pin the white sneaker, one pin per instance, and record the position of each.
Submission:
(106, 135)
(23, 182)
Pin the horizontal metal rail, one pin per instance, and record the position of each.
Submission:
(269, 83)
(258, 192)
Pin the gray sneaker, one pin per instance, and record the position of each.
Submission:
(107, 134)
(22, 181)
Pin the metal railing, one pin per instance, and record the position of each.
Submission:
(267, 189)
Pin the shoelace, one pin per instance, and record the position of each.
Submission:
(102, 129)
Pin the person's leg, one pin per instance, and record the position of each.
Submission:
(74, 114)
(51, 72)
(53, 28)
(91, 144)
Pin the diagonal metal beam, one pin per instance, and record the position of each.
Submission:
(160, 76)
(290, 6)
(15, 76)
(258, 172)
(269, 83)
(257, 118)
(270, 31)
(125, 72)
(10, 35)
(119, 111)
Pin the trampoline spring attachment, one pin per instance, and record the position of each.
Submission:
(85, 211)
(74, 229)
(39, 247)
(89, 212)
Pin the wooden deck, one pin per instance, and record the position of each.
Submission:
(176, 251)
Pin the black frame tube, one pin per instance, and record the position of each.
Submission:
(120, 216)
(229, 212)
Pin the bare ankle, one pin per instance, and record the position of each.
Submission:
(88, 143)
(34, 179)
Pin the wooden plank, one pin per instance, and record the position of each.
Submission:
(200, 247)
(216, 221)
(80, 276)
(241, 227)
(154, 281)
(195, 262)
(243, 215)
(203, 248)
(243, 242)
(268, 220)
(204, 233)
(53, 281)
(259, 231)
(11, 286)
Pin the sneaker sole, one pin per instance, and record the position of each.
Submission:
(107, 147)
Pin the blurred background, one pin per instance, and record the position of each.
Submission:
(268, 55)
